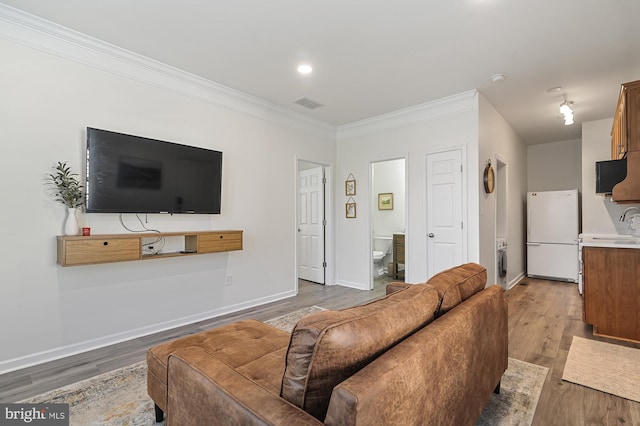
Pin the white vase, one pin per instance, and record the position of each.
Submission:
(71, 226)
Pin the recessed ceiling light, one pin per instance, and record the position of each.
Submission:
(304, 68)
(554, 89)
(496, 78)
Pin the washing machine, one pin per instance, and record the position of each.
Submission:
(501, 248)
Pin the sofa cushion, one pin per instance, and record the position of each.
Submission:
(457, 284)
(238, 344)
(328, 347)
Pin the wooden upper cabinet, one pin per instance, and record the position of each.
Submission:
(625, 142)
(625, 133)
(619, 129)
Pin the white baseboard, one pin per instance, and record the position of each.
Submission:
(351, 284)
(76, 348)
(515, 281)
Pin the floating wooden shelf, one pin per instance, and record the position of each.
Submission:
(80, 250)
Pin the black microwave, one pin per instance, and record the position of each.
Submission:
(608, 174)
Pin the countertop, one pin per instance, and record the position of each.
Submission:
(611, 241)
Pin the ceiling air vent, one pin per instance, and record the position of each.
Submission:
(307, 103)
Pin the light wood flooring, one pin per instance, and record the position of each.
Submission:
(543, 318)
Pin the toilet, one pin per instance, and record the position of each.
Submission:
(381, 248)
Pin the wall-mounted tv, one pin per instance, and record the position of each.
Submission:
(133, 174)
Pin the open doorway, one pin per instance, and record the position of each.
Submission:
(311, 222)
(502, 222)
(388, 217)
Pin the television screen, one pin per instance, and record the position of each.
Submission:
(132, 174)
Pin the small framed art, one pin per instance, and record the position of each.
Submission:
(350, 186)
(350, 210)
(385, 201)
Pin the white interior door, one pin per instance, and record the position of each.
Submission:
(444, 211)
(311, 263)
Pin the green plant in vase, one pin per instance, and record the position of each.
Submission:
(67, 189)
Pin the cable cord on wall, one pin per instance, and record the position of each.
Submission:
(150, 246)
(144, 227)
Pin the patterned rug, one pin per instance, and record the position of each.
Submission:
(602, 366)
(120, 397)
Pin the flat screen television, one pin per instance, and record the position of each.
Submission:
(133, 174)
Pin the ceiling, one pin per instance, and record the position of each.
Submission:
(372, 57)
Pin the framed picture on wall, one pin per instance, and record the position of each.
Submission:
(350, 187)
(350, 212)
(385, 201)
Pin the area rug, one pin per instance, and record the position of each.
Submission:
(609, 368)
(520, 390)
(120, 397)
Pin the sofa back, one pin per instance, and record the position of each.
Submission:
(329, 346)
(457, 284)
(443, 374)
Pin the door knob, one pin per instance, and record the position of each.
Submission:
(431, 235)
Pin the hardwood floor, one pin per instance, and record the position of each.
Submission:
(543, 318)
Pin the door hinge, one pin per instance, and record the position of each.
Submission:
(460, 168)
(324, 264)
(324, 222)
(461, 225)
(324, 180)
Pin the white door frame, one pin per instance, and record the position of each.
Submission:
(374, 204)
(329, 217)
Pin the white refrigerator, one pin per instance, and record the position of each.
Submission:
(552, 235)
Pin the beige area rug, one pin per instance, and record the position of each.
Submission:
(606, 367)
(120, 397)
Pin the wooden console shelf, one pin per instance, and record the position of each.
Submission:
(79, 250)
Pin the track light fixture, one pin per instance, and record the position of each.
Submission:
(567, 112)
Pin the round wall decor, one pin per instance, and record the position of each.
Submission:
(489, 179)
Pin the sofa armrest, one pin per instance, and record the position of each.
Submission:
(396, 286)
(203, 390)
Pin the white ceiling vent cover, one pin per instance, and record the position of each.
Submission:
(307, 103)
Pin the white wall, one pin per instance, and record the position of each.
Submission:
(599, 214)
(555, 166)
(49, 311)
(497, 138)
(412, 133)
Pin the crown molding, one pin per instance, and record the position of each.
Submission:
(454, 104)
(29, 30)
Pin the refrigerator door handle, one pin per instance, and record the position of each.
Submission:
(528, 221)
(533, 244)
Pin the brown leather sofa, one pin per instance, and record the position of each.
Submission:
(425, 354)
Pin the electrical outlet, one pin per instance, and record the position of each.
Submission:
(229, 280)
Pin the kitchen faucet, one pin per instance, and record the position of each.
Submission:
(623, 216)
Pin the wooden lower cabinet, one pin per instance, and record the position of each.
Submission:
(89, 250)
(398, 257)
(611, 291)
